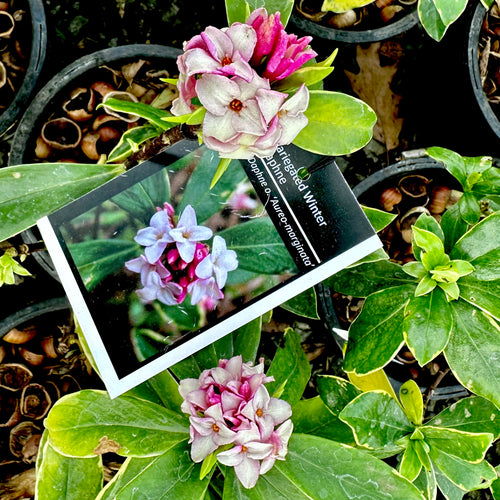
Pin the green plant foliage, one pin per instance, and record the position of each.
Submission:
(29, 192)
(339, 6)
(9, 267)
(412, 402)
(238, 10)
(338, 124)
(304, 304)
(131, 140)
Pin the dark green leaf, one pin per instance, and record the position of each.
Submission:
(97, 259)
(338, 124)
(29, 192)
(377, 334)
(67, 477)
(427, 325)
(453, 161)
(482, 294)
(246, 340)
(304, 304)
(85, 423)
(365, 279)
(336, 392)
(130, 141)
(473, 351)
(290, 368)
(377, 421)
(259, 247)
(453, 226)
(170, 475)
(469, 208)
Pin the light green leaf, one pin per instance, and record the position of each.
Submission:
(377, 421)
(473, 351)
(70, 478)
(431, 20)
(221, 168)
(411, 399)
(130, 140)
(426, 482)
(450, 11)
(290, 367)
(373, 381)
(429, 223)
(259, 247)
(99, 258)
(339, 6)
(432, 248)
(317, 468)
(29, 192)
(85, 423)
(376, 334)
(472, 414)
(378, 218)
(495, 485)
(422, 450)
(236, 10)
(451, 290)
(170, 475)
(304, 304)
(338, 124)
(427, 325)
(365, 279)
(410, 464)
(312, 416)
(425, 286)
(306, 75)
(481, 294)
(415, 269)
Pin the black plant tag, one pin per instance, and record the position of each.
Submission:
(310, 203)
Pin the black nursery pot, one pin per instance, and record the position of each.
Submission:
(353, 36)
(27, 131)
(34, 68)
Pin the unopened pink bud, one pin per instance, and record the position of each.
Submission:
(172, 256)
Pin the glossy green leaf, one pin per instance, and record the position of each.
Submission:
(425, 286)
(236, 10)
(339, 6)
(149, 113)
(246, 340)
(469, 208)
(464, 474)
(29, 192)
(432, 248)
(451, 290)
(336, 392)
(373, 381)
(453, 162)
(426, 483)
(422, 450)
(365, 279)
(376, 334)
(427, 325)
(495, 485)
(410, 464)
(167, 389)
(290, 368)
(259, 247)
(453, 226)
(411, 399)
(99, 258)
(473, 351)
(415, 269)
(304, 304)
(85, 423)
(378, 218)
(482, 294)
(70, 478)
(338, 124)
(130, 140)
(450, 11)
(449, 489)
(429, 223)
(306, 75)
(377, 421)
(431, 20)
(167, 476)
(379, 254)
(317, 468)
(472, 414)
(486, 266)
(312, 416)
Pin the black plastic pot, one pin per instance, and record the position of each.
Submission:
(36, 59)
(473, 67)
(25, 137)
(352, 35)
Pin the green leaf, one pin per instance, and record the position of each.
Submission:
(453, 226)
(237, 12)
(449, 489)
(259, 247)
(338, 124)
(339, 6)
(291, 368)
(99, 258)
(473, 351)
(205, 200)
(410, 464)
(453, 162)
(379, 254)
(495, 485)
(66, 477)
(472, 414)
(29, 192)
(130, 140)
(469, 208)
(411, 399)
(378, 218)
(221, 168)
(427, 325)
(306, 75)
(365, 279)
(312, 416)
(304, 304)
(373, 381)
(377, 421)
(450, 11)
(336, 392)
(170, 475)
(421, 449)
(481, 294)
(152, 115)
(167, 389)
(426, 482)
(451, 290)
(432, 248)
(376, 334)
(430, 224)
(425, 286)
(85, 423)
(318, 468)
(415, 269)
(431, 21)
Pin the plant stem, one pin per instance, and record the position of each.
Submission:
(434, 385)
(158, 144)
(24, 249)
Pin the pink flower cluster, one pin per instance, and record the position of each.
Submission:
(176, 263)
(231, 71)
(229, 405)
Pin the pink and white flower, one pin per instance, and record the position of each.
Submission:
(218, 262)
